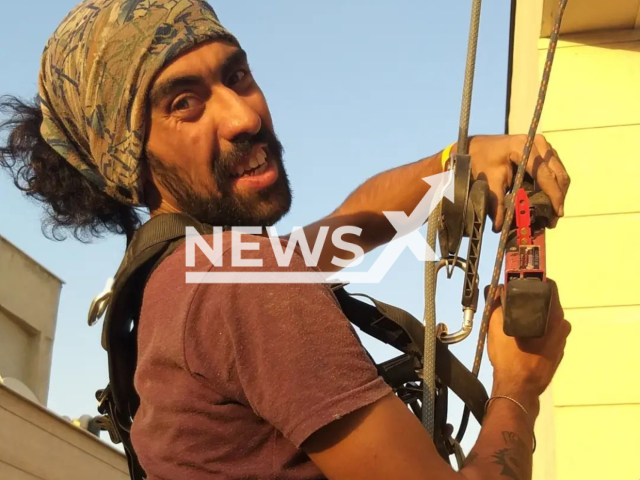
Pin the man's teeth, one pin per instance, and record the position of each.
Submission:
(260, 169)
(258, 160)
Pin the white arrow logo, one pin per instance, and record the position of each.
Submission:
(407, 235)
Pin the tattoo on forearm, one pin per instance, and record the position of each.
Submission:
(514, 458)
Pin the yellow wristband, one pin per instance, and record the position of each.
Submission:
(446, 155)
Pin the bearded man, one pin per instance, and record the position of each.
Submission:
(151, 104)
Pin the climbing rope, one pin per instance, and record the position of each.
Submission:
(429, 358)
(517, 184)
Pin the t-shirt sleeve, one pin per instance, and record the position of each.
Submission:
(296, 358)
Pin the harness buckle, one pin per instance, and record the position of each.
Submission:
(105, 422)
(100, 303)
(457, 451)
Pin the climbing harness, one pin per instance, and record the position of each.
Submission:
(527, 295)
(158, 238)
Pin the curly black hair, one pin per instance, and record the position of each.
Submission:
(71, 201)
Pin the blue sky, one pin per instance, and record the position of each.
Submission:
(354, 87)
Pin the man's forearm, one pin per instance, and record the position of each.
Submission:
(398, 189)
(504, 449)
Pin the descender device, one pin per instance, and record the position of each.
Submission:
(527, 295)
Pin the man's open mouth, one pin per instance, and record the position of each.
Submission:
(253, 164)
(256, 171)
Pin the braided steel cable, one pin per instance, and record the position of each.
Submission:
(429, 357)
(469, 74)
(429, 354)
(517, 184)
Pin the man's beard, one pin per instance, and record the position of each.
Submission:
(224, 208)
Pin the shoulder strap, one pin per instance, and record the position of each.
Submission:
(150, 245)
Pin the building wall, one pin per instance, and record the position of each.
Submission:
(35, 444)
(29, 297)
(590, 421)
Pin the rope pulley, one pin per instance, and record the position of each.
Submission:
(526, 292)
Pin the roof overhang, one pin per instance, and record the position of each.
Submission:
(534, 19)
(591, 15)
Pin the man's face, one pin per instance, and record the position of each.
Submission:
(211, 148)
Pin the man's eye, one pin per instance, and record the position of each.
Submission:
(237, 76)
(185, 103)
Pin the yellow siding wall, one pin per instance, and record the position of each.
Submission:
(592, 118)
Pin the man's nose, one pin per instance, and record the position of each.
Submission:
(237, 118)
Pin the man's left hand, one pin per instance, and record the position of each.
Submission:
(493, 158)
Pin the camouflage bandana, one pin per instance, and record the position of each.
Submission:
(95, 74)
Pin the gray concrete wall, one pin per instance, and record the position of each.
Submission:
(29, 297)
(35, 444)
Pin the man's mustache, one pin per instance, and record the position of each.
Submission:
(224, 166)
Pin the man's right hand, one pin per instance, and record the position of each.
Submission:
(385, 441)
(524, 368)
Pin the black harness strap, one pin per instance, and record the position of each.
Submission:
(118, 403)
(157, 239)
(400, 329)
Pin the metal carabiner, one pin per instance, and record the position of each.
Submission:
(458, 452)
(99, 303)
(442, 331)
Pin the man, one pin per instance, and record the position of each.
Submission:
(152, 104)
